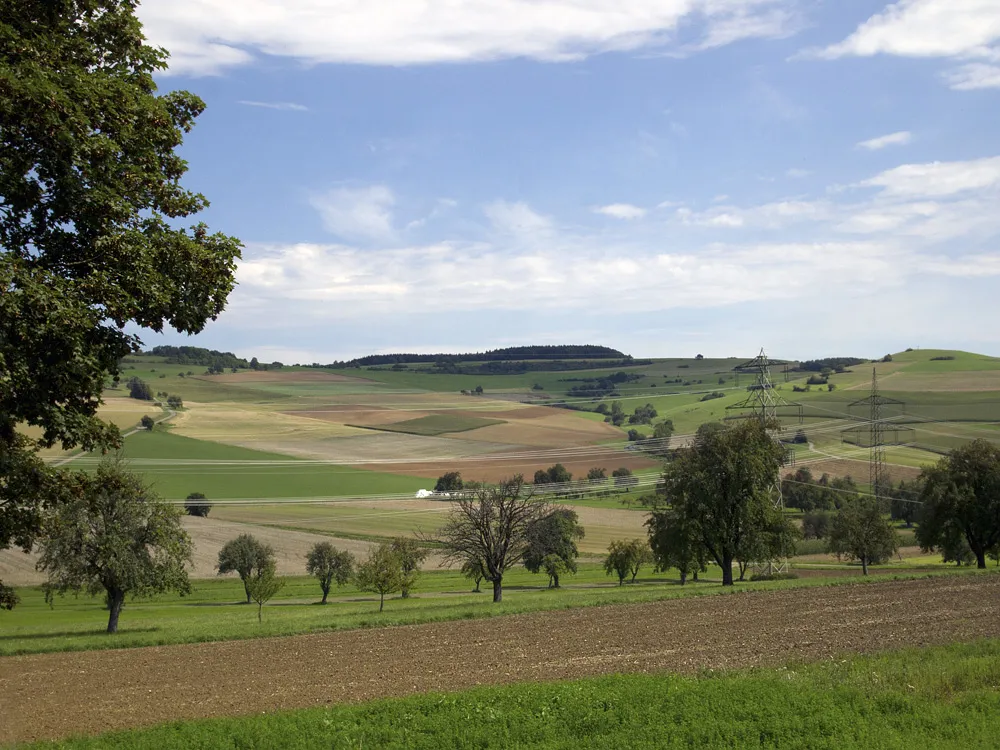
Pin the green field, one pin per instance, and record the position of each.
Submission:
(436, 424)
(942, 697)
(177, 466)
(215, 611)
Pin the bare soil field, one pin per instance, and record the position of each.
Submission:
(857, 469)
(54, 695)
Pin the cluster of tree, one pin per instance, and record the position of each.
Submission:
(643, 415)
(549, 352)
(556, 474)
(800, 490)
(264, 366)
(87, 158)
(626, 558)
(713, 395)
(519, 367)
(705, 512)
(834, 364)
(604, 386)
(139, 389)
(195, 355)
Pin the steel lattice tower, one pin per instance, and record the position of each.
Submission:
(876, 429)
(762, 404)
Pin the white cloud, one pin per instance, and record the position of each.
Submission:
(621, 211)
(955, 29)
(893, 139)
(357, 213)
(276, 105)
(937, 179)
(207, 36)
(515, 218)
(973, 76)
(797, 174)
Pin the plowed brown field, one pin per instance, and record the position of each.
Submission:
(53, 695)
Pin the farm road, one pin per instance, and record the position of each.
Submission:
(54, 695)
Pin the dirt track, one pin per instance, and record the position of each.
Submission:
(53, 695)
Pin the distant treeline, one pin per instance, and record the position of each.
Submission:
(195, 355)
(520, 367)
(818, 365)
(494, 355)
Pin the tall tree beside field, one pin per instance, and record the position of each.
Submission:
(962, 495)
(328, 564)
(491, 525)
(113, 534)
(247, 556)
(91, 238)
(619, 559)
(552, 544)
(381, 573)
(410, 556)
(722, 485)
(860, 532)
(449, 482)
(675, 541)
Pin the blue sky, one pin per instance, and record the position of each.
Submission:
(667, 177)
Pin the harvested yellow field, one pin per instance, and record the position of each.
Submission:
(941, 382)
(247, 426)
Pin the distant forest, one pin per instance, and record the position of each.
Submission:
(818, 365)
(494, 355)
(195, 355)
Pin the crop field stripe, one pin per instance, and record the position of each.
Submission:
(747, 629)
(851, 704)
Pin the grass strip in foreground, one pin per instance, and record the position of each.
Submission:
(943, 697)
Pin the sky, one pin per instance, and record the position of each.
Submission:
(666, 177)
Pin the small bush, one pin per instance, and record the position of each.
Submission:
(774, 576)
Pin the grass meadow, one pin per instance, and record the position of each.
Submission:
(942, 697)
(438, 424)
(215, 610)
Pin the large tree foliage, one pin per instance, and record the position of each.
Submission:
(113, 534)
(247, 556)
(675, 541)
(327, 564)
(722, 486)
(625, 558)
(962, 495)
(91, 239)
(410, 556)
(552, 544)
(861, 532)
(491, 525)
(381, 573)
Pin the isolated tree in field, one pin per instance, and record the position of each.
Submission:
(642, 555)
(597, 475)
(175, 402)
(450, 482)
(962, 492)
(860, 532)
(113, 534)
(475, 571)
(381, 573)
(247, 556)
(552, 544)
(619, 560)
(492, 526)
(617, 414)
(675, 542)
(410, 556)
(662, 432)
(723, 485)
(263, 585)
(328, 564)
(196, 504)
(147, 422)
(139, 389)
(91, 242)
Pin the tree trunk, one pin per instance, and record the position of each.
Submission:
(694, 577)
(555, 581)
(684, 577)
(478, 581)
(981, 559)
(326, 593)
(381, 601)
(864, 565)
(260, 611)
(246, 587)
(497, 590)
(116, 600)
(727, 571)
